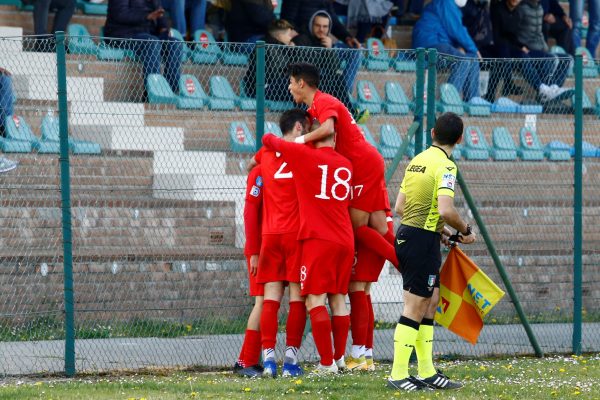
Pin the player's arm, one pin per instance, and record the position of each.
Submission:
(251, 164)
(399, 207)
(290, 150)
(450, 215)
(327, 128)
(252, 208)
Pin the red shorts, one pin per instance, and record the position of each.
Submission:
(325, 267)
(256, 289)
(367, 265)
(368, 181)
(279, 258)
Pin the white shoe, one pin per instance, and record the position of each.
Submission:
(341, 364)
(553, 92)
(326, 369)
(7, 165)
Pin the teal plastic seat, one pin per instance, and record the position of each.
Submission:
(503, 145)
(590, 69)
(475, 145)
(241, 139)
(274, 105)
(368, 135)
(530, 148)
(272, 127)
(80, 41)
(450, 100)
(206, 49)
(396, 101)
(159, 91)
(505, 105)
(367, 97)
(10, 143)
(16, 3)
(390, 141)
(50, 133)
(377, 57)
(588, 107)
(457, 152)
(413, 103)
(221, 90)
(18, 129)
(191, 93)
(404, 63)
(187, 52)
(109, 53)
(230, 55)
(92, 8)
(478, 107)
(588, 150)
(557, 151)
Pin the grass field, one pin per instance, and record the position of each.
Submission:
(515, 378)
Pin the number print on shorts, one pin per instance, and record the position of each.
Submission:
(342, 178)
(302, 276)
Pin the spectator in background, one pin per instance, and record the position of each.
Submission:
(248, 20)
(365, 14)
(476, 18)
(441, 27)
(518, 30)
(63, 11)
(593, 33)
(7, 99)
(277, 59)
(144, 21)
(558, 25)
(177, 10)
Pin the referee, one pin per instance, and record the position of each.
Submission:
(425, 203)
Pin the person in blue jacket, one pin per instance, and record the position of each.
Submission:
(440, 27)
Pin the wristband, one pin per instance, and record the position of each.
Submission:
(299, 139)
(468, 232)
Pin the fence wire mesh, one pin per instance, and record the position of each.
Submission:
(160, 136)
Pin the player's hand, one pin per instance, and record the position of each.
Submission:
(253, 264)
(467, 239)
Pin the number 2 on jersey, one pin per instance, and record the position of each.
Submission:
(283, 175)
(339, 181)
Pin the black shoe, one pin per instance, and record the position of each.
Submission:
(249, 372)
(409, 384)
(237, 366)
(441, 381)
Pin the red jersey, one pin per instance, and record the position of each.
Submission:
(323, 179)
(280, 203)
(253, 211)
(349, 139)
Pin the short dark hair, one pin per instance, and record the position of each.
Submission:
(448, 128)
(288, 119)
(305, 71)
(280, 25)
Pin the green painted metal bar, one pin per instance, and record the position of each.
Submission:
(432, 56)
(412, 129)
(492, 249)
(419, 101)
(65, 188)
(260, 92)
(578, 208)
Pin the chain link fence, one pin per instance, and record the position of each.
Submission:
(160, 134)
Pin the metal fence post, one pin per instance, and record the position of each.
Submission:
(65, 187)
(577, 207)
(260, 92)
(419, 102)
(431, 83)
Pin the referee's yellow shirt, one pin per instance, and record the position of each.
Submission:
(430, 174)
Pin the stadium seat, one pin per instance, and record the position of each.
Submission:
(241, 139)
(588, 107)
(404, 63)
(187, 52)
(159, 91)
(109, 53)
(396, 101)
(505, 105)
(272, 127)
(232, 54)
(532, 108)
(16, 3)
(390, 140)
(413, 103)
(222, 90)
(80, 40)
(530, 148)
(17, 129)
(191, 93)
(589, 150)
(368, 135)
(562, 52)
(273, 105)
(457, 152)
(50, 133)
(367, 97)
(277, 7)
(477, 106)
(503, 145)
(206, 49)
(377, 57)
(92, 8)
(475, 145)
(9, 144)
(590, 69)
(450, 100)
(557, 151)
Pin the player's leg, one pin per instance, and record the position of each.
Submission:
(268, 325)
(373, 237)
(359, 321)
(296, 322)
(250, 354)
(321, 329)
(370, 330)
(340, 325)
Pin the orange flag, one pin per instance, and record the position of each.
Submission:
(466, 296)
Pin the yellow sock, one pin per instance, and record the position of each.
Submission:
(404, 341)
(424, 350)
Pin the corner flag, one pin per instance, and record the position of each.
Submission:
(466, 296)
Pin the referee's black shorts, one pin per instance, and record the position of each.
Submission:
(418, 252)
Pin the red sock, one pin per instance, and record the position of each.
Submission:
(359, 317)
(240, 359)
(372, 239)
(252, 348)
(340, 326)
(296, 322)
(371, 323)
(321, 330)
(268, 323)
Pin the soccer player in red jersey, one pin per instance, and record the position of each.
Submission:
(323, 179)
(248, 361)
(279, 261)
(369, 194)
